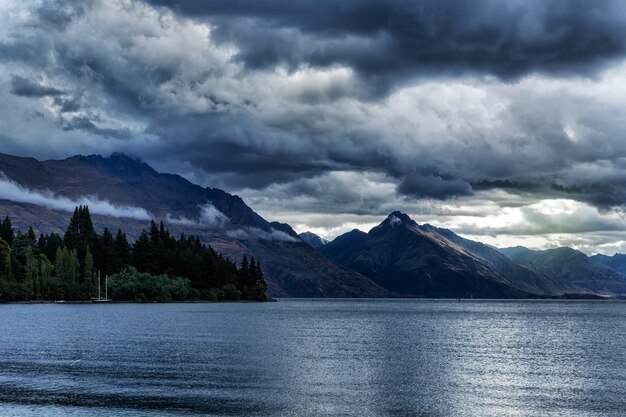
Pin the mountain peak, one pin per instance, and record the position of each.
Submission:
(118, 163)
(393, 221)
(313, 240)
(397, 217)
(115, 157)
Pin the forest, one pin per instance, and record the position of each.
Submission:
(156, 267)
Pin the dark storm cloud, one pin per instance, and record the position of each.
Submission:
(335, 107)
(85, 124)
(25, 87)
(68, 105)
(595, 191)
(57, 14)
(429, 185)
(238, 149)
(403, 38)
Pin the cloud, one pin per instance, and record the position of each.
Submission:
(280, 122)
(433, 186)
(209, 217)
(330, 114)
(382, 38)
(10, 190)
(180, 221)
(212, 217)
(30, 88)
(251, 233)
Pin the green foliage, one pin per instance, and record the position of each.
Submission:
(88, 267)
(79, 235)
(139, 272)
(48, 244)
(121, 252)
(132, 285)
(157, 252)
(5, 258)
(66, 269)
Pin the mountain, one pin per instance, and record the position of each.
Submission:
(313, 240)
(573, 268)
(409, 259)
(125, 192)
(514, 273)
(616, 262)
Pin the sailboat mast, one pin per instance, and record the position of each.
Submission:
(106, 287)
(98, 285)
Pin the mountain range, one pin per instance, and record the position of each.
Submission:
(396, 258)
(422, 260)
(125, 192)
(616, 262)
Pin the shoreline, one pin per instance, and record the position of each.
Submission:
(271, 300)
(140, 302)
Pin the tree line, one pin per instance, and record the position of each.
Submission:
(156, 267)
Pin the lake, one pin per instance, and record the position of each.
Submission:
(315, 358)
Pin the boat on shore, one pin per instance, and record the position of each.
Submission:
(106, 298)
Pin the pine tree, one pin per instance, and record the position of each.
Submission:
(106, 253)
(261, 285)
(73, 266)
(121, 252)
(245, 268)
(260, 279)
(59, 268)
(6, 230)
(48, 244)
(88, 268)
(32, 238)
(80, 232)
(251, 278)
(45, 274)
(31, 264)
(141, 253)
(5, 267)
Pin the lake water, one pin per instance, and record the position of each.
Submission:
(315, 358)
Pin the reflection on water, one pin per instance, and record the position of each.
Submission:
(315, 358)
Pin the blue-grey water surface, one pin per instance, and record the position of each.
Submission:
(315, 358)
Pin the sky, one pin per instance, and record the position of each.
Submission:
(502, 120)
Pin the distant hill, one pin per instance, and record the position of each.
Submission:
(575, 270)
(515, 274)
(616, 262)
(409, 259)
(122, 191)
(313, 240)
